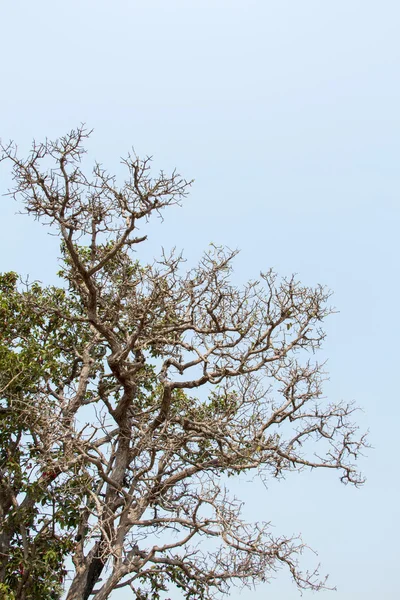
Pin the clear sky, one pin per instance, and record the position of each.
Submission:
(287, 114)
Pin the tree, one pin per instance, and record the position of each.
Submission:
(132, 392)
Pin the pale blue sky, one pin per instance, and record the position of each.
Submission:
(287, 115)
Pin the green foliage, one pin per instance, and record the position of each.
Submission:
(35, 348)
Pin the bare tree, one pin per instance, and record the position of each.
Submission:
(163, 381)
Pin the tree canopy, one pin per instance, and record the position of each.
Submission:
(132, 392)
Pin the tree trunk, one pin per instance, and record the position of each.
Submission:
(87, 576)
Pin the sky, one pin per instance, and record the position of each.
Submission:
(286, 114)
